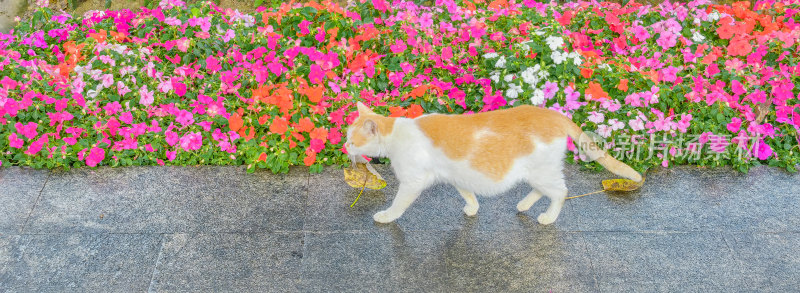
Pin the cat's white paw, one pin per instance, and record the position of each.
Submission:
(523, 206)
(470, 210)
(545, 219)
(383, 217)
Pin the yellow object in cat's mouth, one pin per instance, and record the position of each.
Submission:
(362, 175)
(621, 185)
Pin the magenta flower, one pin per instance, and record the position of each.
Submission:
(669, 73)
(185, 118)
(757, 96)
(96, 155)
(14, 141)
(735, 125)
(212, 64)
(171, 155)
(762, 150)
(27, 130)
(303, 25)
(398, 47)
(316, 75)
(179, 87)
(192, 141)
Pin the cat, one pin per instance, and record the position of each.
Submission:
(484, 153)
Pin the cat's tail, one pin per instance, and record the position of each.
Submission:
(594, 152)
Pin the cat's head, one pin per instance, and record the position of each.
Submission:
(365, 135)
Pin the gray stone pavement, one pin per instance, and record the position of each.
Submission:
(220, 229)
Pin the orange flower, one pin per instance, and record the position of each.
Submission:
(319, 133)
(263, 119)
(310, 158)
(739, 46)
(314, 93)
(414, 111)
(596, 92)
(235, 122)
(498, 4)
(100, 36)
(279, 125)
(304, 125)
(725, 29)
(623, 85)
(262, 157)
(397, 111)
(586, 73)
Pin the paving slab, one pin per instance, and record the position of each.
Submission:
(539, 260)
(232, 262)
(691, 199)
(660, 261)
(19, 189)
(386, 260)
(170, 200)
(769, 262)
(79, 262)
(438, 208)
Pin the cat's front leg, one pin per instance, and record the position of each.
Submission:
(406, 194)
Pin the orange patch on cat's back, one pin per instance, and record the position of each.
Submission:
(492, 141)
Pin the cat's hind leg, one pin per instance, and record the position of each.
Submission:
(527, 202)
(471, 208)
(407, 193)
(556, 190)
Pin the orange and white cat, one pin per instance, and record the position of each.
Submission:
(485, 153)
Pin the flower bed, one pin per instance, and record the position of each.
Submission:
(692, 83)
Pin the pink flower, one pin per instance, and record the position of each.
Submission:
(735, 125)
(762, 150)
(304, 27)
(229, 34)
(179, 87)
(171, 137)
(316, 74)
(550, 89)
(669, 74)
(107, 80)
(14, 141)
(757, 96)
(27, 130)
(596, 117)
(145, 96)
(184, 117)
(122, 89)
(96, 155)
(380, 5)
(398, 47)
(320, 36)
(737, 87)
(316, 145)
(171, 155)
(641, 33)
(126, 117)
(192, 141)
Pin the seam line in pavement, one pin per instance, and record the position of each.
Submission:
(36, 203)
(155, 265)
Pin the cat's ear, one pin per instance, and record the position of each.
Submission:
(370, 127)
(363, 109)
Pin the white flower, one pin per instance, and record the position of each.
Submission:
(539, 32)
(713, 16)
(558, 57)
(554, 42)
(508, 78)
(495, 76)
(513, 91)
(538, 97)
(697, 37)
(501, 63)
(529, 76)
(576, 58)
(543, 74)
(605, 66)
(490, 55)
